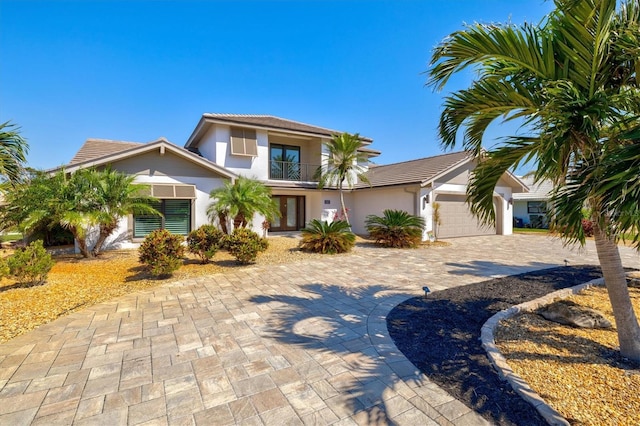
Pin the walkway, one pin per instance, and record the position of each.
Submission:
(303, 343)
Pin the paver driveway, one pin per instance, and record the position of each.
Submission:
(302, 343)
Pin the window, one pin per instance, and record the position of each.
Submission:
(536, 206)
(244, 142)
(176, 219)
(285, 162)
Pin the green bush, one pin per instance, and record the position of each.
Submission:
(327, 238)
(244, 245)
(30, 265)
(162, 252)
(396, 228)
(205, 241)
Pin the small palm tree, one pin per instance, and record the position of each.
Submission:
(241, 200)
(327, 238)
(13, 152)
(343, 166)
(395, 228)
(116, 196)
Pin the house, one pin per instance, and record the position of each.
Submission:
(285, 155)
(530, 208)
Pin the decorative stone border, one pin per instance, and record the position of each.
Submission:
(500, 363)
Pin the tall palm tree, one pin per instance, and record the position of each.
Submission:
(241, 200)
(13, 151)
(344, 164)
(571, 82)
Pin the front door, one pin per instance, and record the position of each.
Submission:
(292, 213)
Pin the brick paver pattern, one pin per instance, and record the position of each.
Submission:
(301, 343)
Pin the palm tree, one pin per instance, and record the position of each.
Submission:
(571, 83)
(241, 200)
(13, 151)
(343, 165)
(116, 196)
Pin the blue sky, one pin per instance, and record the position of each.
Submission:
(138, 70)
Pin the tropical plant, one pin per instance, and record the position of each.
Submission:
(116, 196)
(571, 81)
(244, 245)
(162, 252)
(395, 228)
(436, 218)
(79, 202)
(31, 264)
(241, 200)
(327, 238)
(205, 241)
(13, 152)
(343, 166)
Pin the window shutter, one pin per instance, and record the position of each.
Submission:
(244, 142)
(177, 217)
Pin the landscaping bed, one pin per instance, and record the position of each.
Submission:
(440, 335)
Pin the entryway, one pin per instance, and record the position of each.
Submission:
(292, 211)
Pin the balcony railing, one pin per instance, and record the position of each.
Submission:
(285, 170)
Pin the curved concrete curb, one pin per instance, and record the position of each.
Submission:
(500, 363)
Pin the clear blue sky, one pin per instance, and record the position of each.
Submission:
(138, 70)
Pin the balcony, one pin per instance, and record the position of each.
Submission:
(285, 170)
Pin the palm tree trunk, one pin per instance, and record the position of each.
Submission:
(344, 208)
(222, 218)
(105, 231)
(616, 283)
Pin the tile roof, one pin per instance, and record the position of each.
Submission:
(97, 148)
(274, 122)
(537, 191)
(414, 171)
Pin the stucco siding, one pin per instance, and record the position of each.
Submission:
(375, 201)
(155, 164)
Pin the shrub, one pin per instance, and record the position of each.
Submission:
(327, 238)
(162, 252)
(205, 241)
(587, 227)
(396, 228)
(31, 264)
(244, 245)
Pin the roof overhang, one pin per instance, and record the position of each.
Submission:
(206, 121)
(162, 146)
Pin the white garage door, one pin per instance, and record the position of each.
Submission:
(457, 220)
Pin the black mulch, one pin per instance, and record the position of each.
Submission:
(440, 335)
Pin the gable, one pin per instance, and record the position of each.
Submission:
(156, 164)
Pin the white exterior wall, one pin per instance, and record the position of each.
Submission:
(505, 226)
(122, 239)
(375, 201)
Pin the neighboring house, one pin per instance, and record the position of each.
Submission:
(285, 155)
(530, 208)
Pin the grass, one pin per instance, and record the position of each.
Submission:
(530, 231)
(12, 236)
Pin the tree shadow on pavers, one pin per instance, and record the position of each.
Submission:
(440, 335)
(487, 269)
(332, 320)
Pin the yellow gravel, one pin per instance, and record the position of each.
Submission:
(576, 371)
(74, 283)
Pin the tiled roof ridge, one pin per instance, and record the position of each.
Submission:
(424, 158)
(271, 116)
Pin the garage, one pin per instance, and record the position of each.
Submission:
(457, 220)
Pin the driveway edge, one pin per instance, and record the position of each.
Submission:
(500, 363)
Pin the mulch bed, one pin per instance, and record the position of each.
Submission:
(440, 336)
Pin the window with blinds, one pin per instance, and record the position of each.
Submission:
(244, 142)
(176, 218)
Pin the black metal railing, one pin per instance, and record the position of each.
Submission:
(285, 170)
